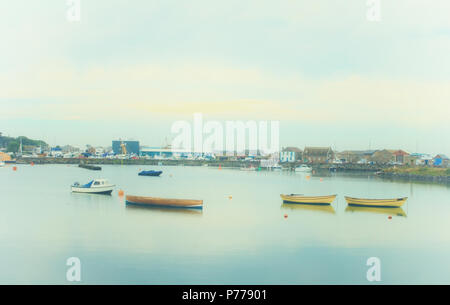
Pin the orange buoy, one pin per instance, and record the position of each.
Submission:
(121, 192)
(32, 163)
(307, 177)
(321, 179)
(390, 217)
(230, 197)
(14, 168)
(285, 215)
(220, 166)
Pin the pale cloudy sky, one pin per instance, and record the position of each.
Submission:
(129, 69)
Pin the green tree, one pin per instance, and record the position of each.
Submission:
(13, 146)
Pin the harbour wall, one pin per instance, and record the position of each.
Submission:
(212, 163)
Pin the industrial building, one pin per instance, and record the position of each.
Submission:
(131, 147)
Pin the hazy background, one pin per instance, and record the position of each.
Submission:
(128, 69)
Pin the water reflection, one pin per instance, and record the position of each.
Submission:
(375, 210)
(309, 207)
(179, 211)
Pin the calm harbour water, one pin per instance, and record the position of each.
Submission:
(243, 240)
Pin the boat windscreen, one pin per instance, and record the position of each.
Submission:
(88, 185)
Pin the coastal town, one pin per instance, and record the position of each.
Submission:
(23, 150)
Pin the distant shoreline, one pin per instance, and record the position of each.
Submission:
(186, 162)
(431, 175)
(423, 174)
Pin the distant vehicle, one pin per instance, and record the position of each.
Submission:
(362, 161)
(337, 161)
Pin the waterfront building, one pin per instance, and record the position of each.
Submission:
(290, 154)
(132, 147)
(318, 154)
(441, 160)
(355, 156)
(400, 156)
(164, 153)
(4, 157)
(384, 156)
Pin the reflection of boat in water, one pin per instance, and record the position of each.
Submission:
(300, 199)
(382, 203)
(309, 207)
(376, 210)
(158, 209)
(165, 202)
(303, 169)
(97, 186)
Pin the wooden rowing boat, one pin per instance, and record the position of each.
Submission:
(382, 203)
(297, 198)
(164, 202)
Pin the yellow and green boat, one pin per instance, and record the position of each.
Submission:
(381, 203)
(301, 199)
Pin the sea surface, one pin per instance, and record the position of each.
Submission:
(244, 235)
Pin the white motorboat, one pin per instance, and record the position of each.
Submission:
(2, 163)
(96, 186)
(248, 169)
(303, 169)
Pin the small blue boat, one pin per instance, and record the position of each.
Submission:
(150, 173)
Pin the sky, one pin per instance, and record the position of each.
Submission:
(130, 69)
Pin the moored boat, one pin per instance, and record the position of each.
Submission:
(151, 173)
(248, 169)
(96, 186)
(164, 202)
(2, 163)
(301, 199)
(91, 167)
(303, 169)
(382, 203)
